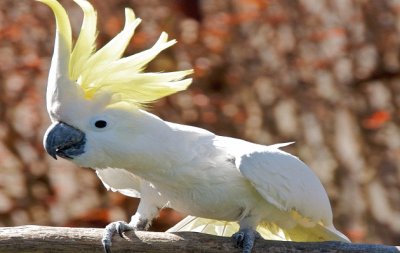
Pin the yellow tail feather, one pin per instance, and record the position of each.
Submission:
(267, 231)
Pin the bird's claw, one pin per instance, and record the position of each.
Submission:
(106, 245)
(115, 227)
(245, 238)
(238, 239)
(122, 227)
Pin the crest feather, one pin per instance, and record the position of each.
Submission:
(112, 51)
(86, 43)
(63, 25)
(105, 70)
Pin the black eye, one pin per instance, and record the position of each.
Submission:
(100, 124)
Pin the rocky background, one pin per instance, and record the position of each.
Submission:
(322, 73)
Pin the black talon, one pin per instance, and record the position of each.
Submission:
(119, 229)
(107, 249)
(106, 245)
(106, 241)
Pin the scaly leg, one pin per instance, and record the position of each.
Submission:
(245, 239)
(246, 235)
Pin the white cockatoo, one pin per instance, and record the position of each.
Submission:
(230, 187)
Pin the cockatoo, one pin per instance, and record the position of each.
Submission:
(96, 100)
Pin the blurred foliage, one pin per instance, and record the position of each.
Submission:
(322, 73)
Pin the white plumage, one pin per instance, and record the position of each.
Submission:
(223, 178)
(94, 100)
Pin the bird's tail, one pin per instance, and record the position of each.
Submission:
(267, 231)
(316, 233)
(221, 228)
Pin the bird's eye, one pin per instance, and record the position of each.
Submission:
(100, 123)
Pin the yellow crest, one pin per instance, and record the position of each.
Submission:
(105, 70)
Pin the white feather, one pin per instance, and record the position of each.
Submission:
(219, 180)
(286, 182)
(120, 180)
(222, 180)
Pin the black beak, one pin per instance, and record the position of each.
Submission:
(64, 141)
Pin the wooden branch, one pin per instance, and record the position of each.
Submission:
(60, 239)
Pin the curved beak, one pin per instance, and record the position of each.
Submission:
(64, 141)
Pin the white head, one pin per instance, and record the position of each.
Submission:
(94, 95)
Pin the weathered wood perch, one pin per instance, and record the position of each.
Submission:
(61, 239)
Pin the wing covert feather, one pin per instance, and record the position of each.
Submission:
(286, 182)
(120, 180)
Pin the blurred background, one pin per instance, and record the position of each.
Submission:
(322, 73)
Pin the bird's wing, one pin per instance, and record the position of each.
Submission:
(286, 182)
(120, 180)
(289, 184)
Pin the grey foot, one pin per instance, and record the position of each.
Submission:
(245, 238)
(115, 227)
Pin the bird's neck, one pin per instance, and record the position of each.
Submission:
(163, 148)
